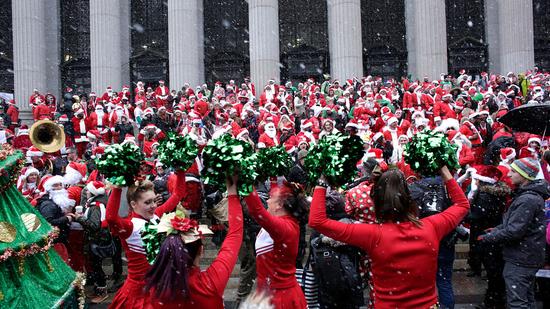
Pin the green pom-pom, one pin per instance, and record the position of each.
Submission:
(226, 156)
(120, 163)
(152, 240)
(428, 152)
(177, 151)
(273, 161)
(335, 157)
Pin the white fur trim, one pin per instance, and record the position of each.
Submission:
(52, 181)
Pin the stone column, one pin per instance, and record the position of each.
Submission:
(509, 31)
(263, 28)
(184, 52)
(200, 28)
(344, 34)
(35, 51)
(426, 38)
(109, 45)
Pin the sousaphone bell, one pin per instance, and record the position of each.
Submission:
(47, 136)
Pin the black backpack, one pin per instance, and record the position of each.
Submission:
(337, 270)
(430, 196)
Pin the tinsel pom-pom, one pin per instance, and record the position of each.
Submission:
(226, 156)
(334, 156)
(152, 240)
(429, 151)
(273, 161)
(177, 151)
(120, 163)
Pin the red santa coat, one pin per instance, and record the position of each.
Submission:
(34, 98)
(41, 111)
(81, 127)
(443, 110)
(465, 156)
(13, 113)
(99, 123)
(161, 95)
(267, 141)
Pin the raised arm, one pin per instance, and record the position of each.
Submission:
(448, 220)
(359, 235)
(218, 273)
(276, 227)
(176, 197)
(119, 226)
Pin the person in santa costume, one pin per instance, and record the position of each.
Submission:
(288, 139)
(13, 113)
(443, 108)
(307, 131)
(464, 152)
(478, 132)
(28, 182)
(41, 110)
(270, 137)
(507, 155)
(93, 100)
(161, 94)
(196, 131)
(107, 95)
(56, 207)
(35, 97)
(391, 134)
(74, 178)
(141, 201)
(22, 140)
(99, 120)
(81, 126)
(533, 148)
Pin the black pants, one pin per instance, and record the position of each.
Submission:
(97, 274)
(117, 259)
(495, 297)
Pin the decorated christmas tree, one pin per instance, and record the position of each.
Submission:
(32, 275)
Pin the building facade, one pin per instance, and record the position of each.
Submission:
(88, 45)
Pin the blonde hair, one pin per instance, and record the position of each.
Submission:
(135, 191)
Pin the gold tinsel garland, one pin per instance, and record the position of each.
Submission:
(31, 249)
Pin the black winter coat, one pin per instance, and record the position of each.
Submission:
(523, 228)
(55, 216)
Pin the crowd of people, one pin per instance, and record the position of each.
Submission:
(391, 231)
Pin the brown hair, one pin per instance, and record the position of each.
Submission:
(135, 191)
(392, 199)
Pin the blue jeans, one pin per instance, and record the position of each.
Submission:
(444, 278)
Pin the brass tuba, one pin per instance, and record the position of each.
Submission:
(47, 136)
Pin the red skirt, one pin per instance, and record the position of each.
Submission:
(291, 298)
(131, 296)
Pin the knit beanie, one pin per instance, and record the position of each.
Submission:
(526, 167)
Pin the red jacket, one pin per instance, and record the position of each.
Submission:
(13, 112)
(409, 280)
(41, 111)
(206, 287)
(80, 127)
(443, 110)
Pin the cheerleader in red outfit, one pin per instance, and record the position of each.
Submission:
(176, 280)
(403, 248)
(277, 243)
(141, 199)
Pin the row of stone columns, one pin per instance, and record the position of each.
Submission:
(509, 29)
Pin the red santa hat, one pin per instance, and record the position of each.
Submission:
(125, 87)
(534, 138)
(446, 96)
(23, 130)
(352, 124)
(306, 124)
(26, 172)
(34, 152)
(49, 181)
(148, 111)
(479, 113)
(303, 141)
(417, 114)
(392, 120)
(63, 118)
(376, 154)
(239, 133)
(97, 152)
(75, 173)
(487, 173)
(93, 94)
(128, 138)
(96, 188)
(507, 154)
(93, 134)
(385, 110)
(109, 88)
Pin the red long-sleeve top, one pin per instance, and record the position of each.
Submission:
(276, 246)
(404, 256)
(206, 287)
(128, 229)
